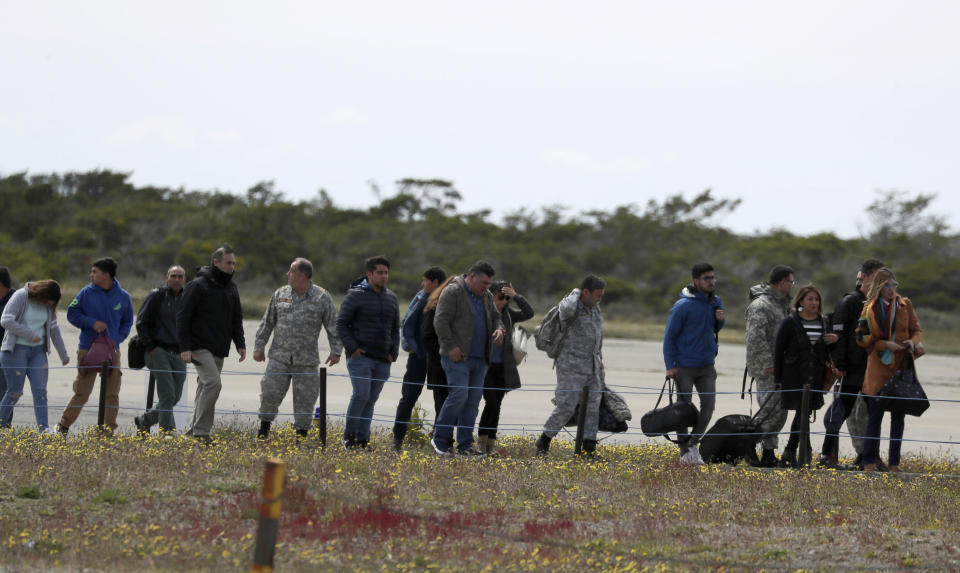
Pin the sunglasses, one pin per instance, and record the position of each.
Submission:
(502, 297)
(891, 285)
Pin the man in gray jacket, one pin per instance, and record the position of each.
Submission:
(579, 363)
(467, 325)
(764, 314)
(295, 315)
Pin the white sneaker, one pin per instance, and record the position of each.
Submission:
(692, 457)
(437, 449)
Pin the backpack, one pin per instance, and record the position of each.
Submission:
(549, 333)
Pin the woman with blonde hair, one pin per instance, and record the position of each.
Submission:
(888, 330)
(30, 321)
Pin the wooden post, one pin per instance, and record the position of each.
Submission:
(320, 416)
(581, 420)
(104, 375)
(151, 388)
(803, 457)
(273, 481)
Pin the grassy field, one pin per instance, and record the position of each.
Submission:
(133, 504)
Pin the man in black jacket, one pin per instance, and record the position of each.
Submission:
(209, 317)
(157, 330)
(368, 324)
(851, 362)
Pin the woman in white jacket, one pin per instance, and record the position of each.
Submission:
(30, 320)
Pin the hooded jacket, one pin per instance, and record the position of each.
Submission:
(689, 340)
(370, 321)
(112, 307)
(764, 314)
(11, 319)
(210, 314)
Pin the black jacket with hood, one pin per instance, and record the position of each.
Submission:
(370, 320)
(210, 314)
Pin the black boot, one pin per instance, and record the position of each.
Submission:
(543, 445)
(302, 433)
(590, 450)
(264, 430)
(769, 459)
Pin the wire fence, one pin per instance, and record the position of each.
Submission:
(512, 426)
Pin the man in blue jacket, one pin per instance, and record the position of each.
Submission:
(689, 351)
(416, 373)
(368, 324)
(100, 307)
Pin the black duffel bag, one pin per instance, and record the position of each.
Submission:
(674, 417)
(731, 439)
(903, 392)
(136, 353)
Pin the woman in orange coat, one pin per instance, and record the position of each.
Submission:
(888, 330)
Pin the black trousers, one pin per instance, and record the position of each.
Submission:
(494, 390)
(849, 389)
(413, 379)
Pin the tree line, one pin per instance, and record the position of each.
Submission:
(55, 225)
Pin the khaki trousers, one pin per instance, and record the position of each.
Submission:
(83, 386)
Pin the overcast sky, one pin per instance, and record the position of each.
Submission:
(803, 110)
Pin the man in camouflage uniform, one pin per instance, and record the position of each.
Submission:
(767, 310)
(579, 363)
(295, 315)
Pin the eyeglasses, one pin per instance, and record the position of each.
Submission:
(176, 276)
(709, 278)
(891, 285)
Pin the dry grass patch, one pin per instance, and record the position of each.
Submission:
(131, 504)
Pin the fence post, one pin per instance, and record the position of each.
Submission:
(151, 388)
(581, 420)
(803, 458)
(320, 418)
(104, 375)
(270, 497)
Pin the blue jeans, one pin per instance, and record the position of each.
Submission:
(871, 445)
(19, 364)
(367, 377)
(465, 385)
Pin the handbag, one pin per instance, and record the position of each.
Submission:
(902, 392)
(519, 341)
(674, 417)
(101, 350)
(136, 353)
(836, 413)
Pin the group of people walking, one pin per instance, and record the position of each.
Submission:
(458, 336)
(792, 343)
